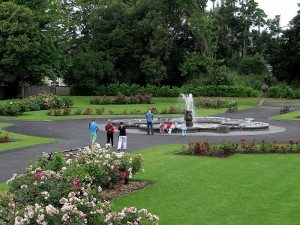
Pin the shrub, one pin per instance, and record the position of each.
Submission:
(252, 64)
(281, 92)
(216, 91)
(210, 103)
(36, 186)
(4, 138)
(66, 111)
(42, 196)
(87, 111)
(122, 99)
(67, 102)
(11, 109)
(77, 112)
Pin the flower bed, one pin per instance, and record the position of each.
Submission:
(4, 138)
(122, 99)
(67, 190)
(227, 149)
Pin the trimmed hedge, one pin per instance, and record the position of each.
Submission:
(168, 91)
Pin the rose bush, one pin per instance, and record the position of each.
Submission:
(64, 191)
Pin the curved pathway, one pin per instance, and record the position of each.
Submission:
(74, 133)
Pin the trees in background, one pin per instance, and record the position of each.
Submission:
(29, 42)
(160, 42)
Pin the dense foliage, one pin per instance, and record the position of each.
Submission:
(167, 43)
(66, 191)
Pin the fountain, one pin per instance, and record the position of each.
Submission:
(200, 124)
(189, 109)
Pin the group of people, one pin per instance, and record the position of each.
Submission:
(162, 126)
(110, 130)
(122, 130)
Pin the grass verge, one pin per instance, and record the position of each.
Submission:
(241, 189)
(83, 102)
(20, 141)
(3, 187)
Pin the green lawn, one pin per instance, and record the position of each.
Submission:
(3, 187)
(83, 102)
(242, 189)
(20, 141)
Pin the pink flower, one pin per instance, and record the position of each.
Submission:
(76, 180)
(38, 175)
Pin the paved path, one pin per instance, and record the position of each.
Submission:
(74, 134)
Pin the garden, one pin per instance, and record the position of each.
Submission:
(67, 190)
(219, 189)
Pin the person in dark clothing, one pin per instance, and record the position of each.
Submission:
(122, 137)
(149, 118)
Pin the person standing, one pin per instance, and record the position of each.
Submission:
(93, 128)
(149, 119)
(110, 133)
(183, 128)
(122, 144)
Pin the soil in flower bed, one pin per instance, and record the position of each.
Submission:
(109, 194)
(225, 155)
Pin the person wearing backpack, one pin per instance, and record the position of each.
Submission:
(110, 133)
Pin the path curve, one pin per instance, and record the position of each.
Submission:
(74, 133)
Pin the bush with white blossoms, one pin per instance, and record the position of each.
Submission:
(65, 196)
(104, 167)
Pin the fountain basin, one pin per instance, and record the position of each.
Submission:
(201, 124)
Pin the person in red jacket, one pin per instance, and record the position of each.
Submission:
(110, 133)
(169, 126)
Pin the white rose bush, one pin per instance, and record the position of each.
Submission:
(65, 190)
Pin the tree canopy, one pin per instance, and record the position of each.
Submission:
(161, 42)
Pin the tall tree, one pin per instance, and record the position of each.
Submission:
(287, 61)
(29, 43)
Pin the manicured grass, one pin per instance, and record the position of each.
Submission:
(83, 102)
(242, 189)
(294, 115)
(20, 141)
(3, 187)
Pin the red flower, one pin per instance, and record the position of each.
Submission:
(6, 139)
(291, 141)
(203, 149)
(243, 140)
(124, 175)
(296, 142)
(277, 147)
(282, 147)
(122, 182)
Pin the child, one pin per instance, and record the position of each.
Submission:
(183, 128)
(176, 127)
(162, 127)
(169, 126)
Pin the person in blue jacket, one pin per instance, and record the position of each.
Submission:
(93, 128)
(149, 119)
